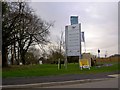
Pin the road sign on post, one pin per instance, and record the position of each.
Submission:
(73, 40)
(98, 53)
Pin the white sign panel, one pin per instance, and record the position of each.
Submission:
(73, 40)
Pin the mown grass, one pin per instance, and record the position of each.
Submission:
(52, 69)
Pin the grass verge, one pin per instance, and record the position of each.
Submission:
(52, 69)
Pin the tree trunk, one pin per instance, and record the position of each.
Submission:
(4, 57)
(23, 58)
(12, 55)
(12, 59)
(18, 56)
(14, 52)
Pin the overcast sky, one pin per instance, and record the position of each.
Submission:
(99, 21)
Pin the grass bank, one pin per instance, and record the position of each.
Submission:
(52, 69)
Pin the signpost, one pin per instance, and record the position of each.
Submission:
(98, 53)
(73, 40)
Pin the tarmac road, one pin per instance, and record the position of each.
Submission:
(110, 83)
(46, 81)
(60, 78)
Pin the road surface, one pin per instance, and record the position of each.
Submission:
(105, 80)
(111, 83)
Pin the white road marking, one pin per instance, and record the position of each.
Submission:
(114, 75)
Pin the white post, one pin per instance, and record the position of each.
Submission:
(66, 62)
(58, 64)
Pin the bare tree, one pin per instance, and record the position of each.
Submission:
(22, 28)
(56, 51)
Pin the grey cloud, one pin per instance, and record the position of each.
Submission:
(99, 20)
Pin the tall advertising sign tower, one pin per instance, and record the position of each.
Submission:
(73, 37)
